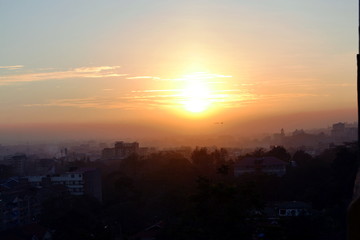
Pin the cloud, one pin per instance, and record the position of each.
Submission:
(193, 76)
(14, 67)
(89, 102)
(204, 75)
(83, 72)
(149, 99)
(224, 95)
(144, 77)
(156, 90)
(156, 98)
(95, 69)
(102, 102)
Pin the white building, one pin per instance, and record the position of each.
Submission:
(78, 182)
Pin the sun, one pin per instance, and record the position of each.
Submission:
(196, 106)
(196, 95)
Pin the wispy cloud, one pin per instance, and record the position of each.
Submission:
(226, 97)
(198, 76)
(188, 77)
(83, 72)
(144, 77)
(204, 75)
(152, 99)
(102, 102)
(95, 69)
(14, 67)
(149, 99)
(89, 102)
(156, 90)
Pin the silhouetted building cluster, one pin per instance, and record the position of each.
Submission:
(21, 165)
(17, 163)
(341, 133)
(21, 203)
(21, 198)
(78, 182)
(121, 150)
(314, 142)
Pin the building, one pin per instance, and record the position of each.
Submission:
(150, 233)
(265, 165)
(17, 163)
(338, 132)
(338, 129)
(19, 203)
(120, 151)
(78, 182)
(277, 210)
(342, 132)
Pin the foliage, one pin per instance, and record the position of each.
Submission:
(199, 198)
(217, 210)
(74, 217)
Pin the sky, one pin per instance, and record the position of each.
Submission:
(141, 67)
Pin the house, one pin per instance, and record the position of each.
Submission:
(150, 233)
(265, 165)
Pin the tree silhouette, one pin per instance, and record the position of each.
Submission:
(279, 152)
(203, 160)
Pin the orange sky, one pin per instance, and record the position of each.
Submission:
(170, 66)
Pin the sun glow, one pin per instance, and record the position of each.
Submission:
(196, 94)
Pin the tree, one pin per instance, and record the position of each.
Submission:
(301, 158)
(220, 156)
(203, 160)
(217, 210)
(74, 217)
(279, 152)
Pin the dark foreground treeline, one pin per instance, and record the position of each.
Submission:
(199, 198)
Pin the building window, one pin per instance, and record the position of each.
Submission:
(282, 212)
